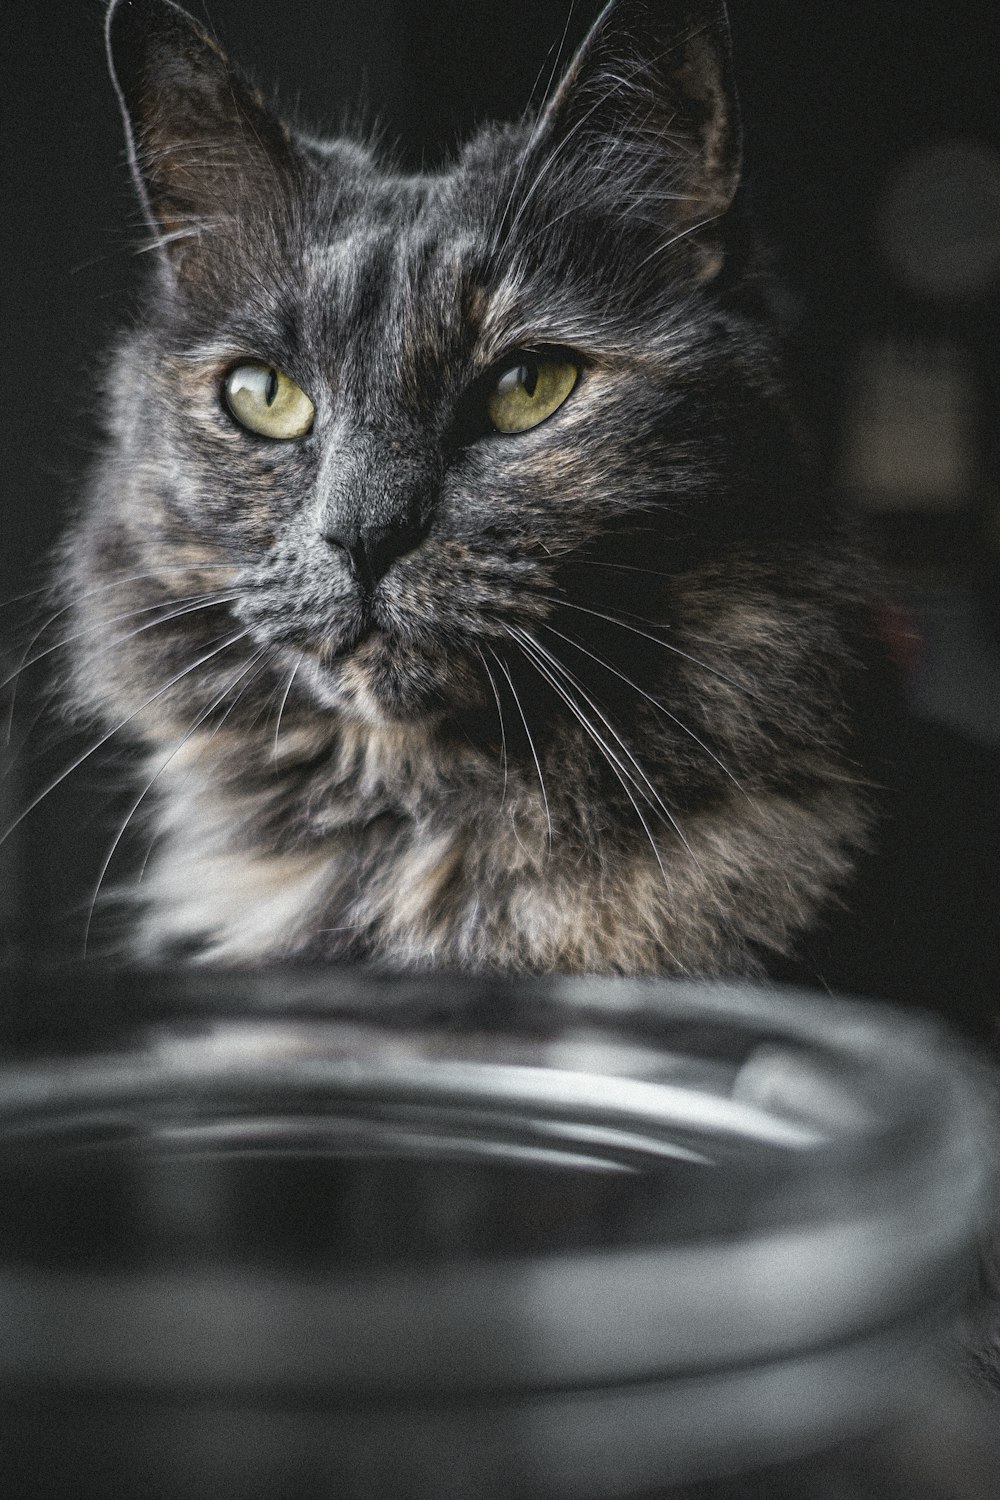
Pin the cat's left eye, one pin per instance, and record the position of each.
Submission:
(268, 402)
(529, 390)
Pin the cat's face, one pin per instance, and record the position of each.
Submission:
(415, 415)
(405, 530)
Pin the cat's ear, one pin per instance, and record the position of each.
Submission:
(650, 93)
(203, 147)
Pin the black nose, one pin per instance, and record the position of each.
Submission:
(371, 550)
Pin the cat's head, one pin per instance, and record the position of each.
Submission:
(416, 414)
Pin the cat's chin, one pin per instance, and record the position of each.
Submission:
(378, 687)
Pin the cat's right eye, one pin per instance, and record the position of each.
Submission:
(528, 390)
(268, 402)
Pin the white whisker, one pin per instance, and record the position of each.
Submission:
(281, 707)
(601, 744)
(531, 743)
(601, 662)
(503, 733)
(650, 792)
(110, 734)
(666, 645)
(191, 602)
(232, 683)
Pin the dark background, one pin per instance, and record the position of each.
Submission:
(894, 354)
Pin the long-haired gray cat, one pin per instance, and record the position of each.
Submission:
(451, 560)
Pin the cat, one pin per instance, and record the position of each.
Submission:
(454, 562)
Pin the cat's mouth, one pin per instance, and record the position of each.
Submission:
(371, 659)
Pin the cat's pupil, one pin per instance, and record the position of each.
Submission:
(271, 388)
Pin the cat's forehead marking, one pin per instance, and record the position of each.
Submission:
(357, 268)
(339, 257)
(416, 285)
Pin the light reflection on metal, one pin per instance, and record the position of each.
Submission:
(677, 1224)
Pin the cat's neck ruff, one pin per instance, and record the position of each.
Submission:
(412, 863)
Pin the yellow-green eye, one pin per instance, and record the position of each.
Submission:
(263, 399)
(529, 391)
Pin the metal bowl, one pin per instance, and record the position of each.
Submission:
(306, 1234)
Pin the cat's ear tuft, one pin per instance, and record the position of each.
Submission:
(650, 93)
(203, 147)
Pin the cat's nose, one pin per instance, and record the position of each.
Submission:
(371, 550)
